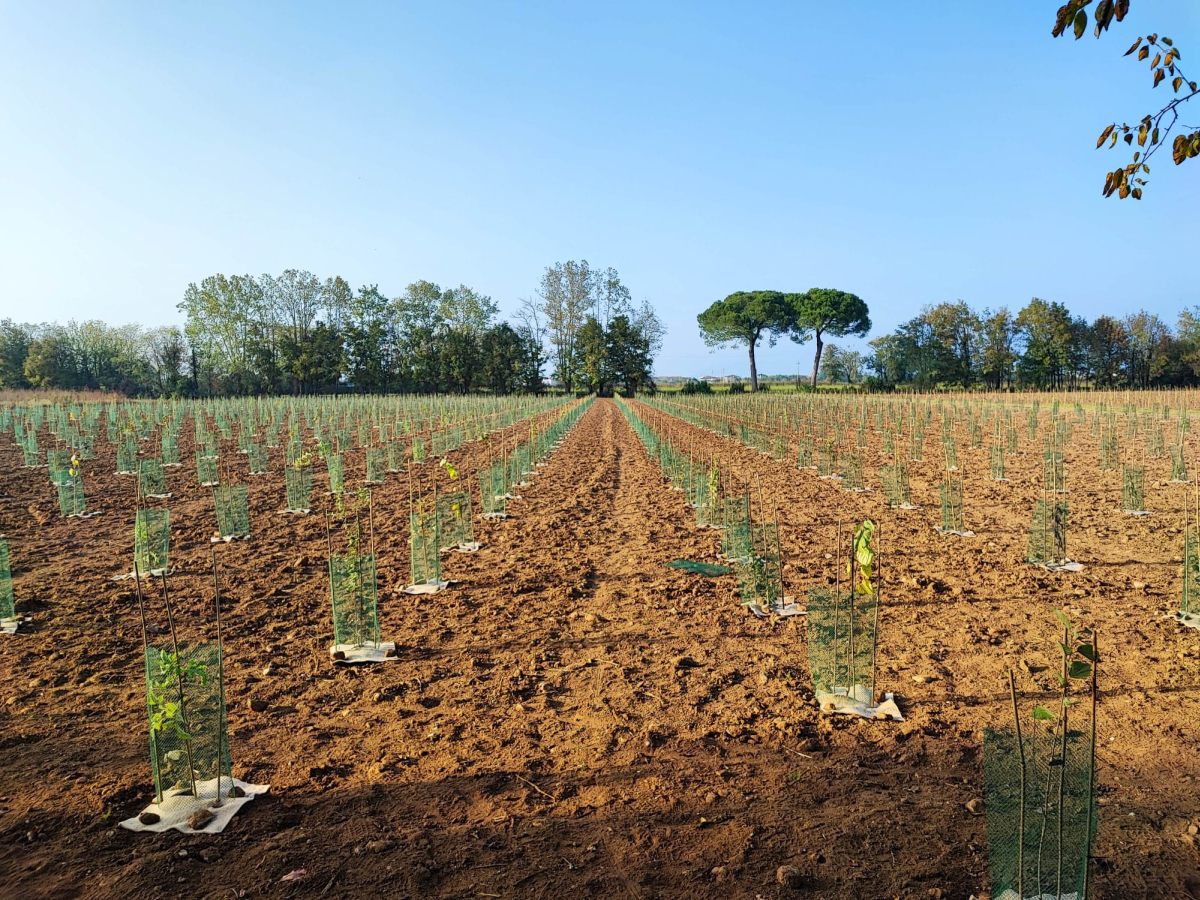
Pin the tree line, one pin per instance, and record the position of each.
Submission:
(1043, 346)
(297, 333)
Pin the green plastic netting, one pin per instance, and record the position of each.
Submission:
(7, 604)
(298, 481)
(1048, 533)
(760, 574)
(233, 510)
(71, 499)
(709, 570)
(151, 541)
(206, 469)
(841, 641)
(355, 599)
(425, 559)
(1056, 801)
(455, 527)
(189, 740)
(152, 482)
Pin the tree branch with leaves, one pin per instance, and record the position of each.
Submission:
(1153, 130)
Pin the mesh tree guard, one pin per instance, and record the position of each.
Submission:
(950, 454)
(707, 498)
(425, 559)
(233, 510)
(127, 456)
(1179, 473)
(333, 462)
(951, 491)
(376, 464)
(492, 489)
(1049, 798)
(71, 500)
(454, 520)
(1133, 489)
(841, 642)
(1052, 470)
(760, 574)
(189, 743)
(997, 462)
(395, 456)
(852, 472)
(257, 459)
(8, 610)
(58, 465)
(1189, 601)
(298, 482)
(355, 598)
(1155, 445)
(737, 542)
(1108, 450)
(206, 469)
(1048, 533)
(827, 460)
(151, 541)
(29, 449)
(152, 481)
(895, 484)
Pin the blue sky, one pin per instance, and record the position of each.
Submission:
(698, 148)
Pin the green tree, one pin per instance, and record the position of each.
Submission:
(316, 362)
(221, 325)
(743, 318)
(503, 360)
(1108, 348)
(824, 311)
(997, 337)
(567, 293)
(418, 321)
(14, 349)
(593, 371)
(465, 309)
(833, 367)
(50, 363)
(955, 334)
(459, 361)
(1147, 347)
(630, 354)
(167, 353)
(1048, 333)
(369, 333)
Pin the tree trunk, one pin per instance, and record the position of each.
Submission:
(753, 368)
(817, 359)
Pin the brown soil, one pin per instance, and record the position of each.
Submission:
(573, 718)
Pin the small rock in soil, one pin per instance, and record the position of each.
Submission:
(789, 877)
(200, 818)
(148, 818)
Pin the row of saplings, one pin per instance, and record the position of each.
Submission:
(190, 762)
(1039, 773)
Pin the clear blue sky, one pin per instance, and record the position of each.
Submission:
(698, 148)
